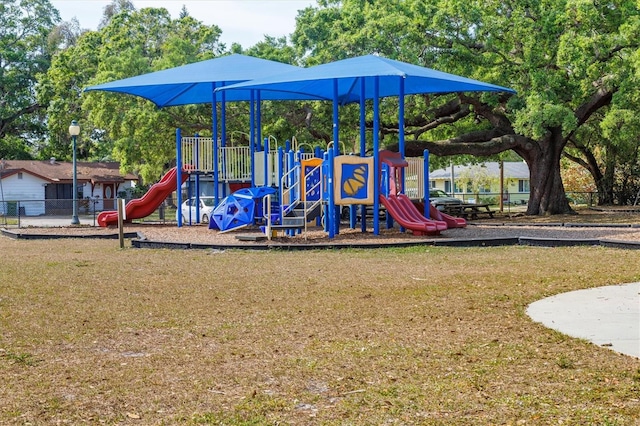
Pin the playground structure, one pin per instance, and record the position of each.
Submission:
(334, 179)
(286, 189)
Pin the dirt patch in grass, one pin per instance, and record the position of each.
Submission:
(91, 334)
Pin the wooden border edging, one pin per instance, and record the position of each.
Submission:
(19, 236)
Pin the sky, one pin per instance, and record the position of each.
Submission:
(241, 21)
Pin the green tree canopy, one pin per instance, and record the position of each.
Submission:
(569, 60)
(25, 52)
(126, 128)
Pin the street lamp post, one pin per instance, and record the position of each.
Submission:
(74, 131)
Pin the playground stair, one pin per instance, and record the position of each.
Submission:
(295, 219)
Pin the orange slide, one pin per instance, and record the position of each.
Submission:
(143, 207)
(405, 213)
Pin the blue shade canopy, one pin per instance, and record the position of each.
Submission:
(195, 83)
(317, 82)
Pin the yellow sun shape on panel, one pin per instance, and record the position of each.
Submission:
(352, 185)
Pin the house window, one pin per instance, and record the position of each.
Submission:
(484, 189)
(523, 185)
(432, 184)
(19, 175)
(447, 186)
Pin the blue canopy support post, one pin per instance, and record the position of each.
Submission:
(401, 116)
(336, 124)
(216, 168)
(331, 218)
(259, 122)
(401, 147)
(376, 155)
(179, 175)
(425, 180)
(223, 136)
(196, 154)
(252, 135)
(266, 162)
(363, 149)
(363, 118)
(334, 211)
(400, 142)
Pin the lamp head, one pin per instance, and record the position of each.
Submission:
(74, 129)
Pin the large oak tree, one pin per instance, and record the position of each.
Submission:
(569, 60)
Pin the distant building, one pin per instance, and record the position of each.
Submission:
(45, 187)
(484, 179)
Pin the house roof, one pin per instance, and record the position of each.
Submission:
(512, 170)
(62, 171)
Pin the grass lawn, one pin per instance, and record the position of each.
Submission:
(91, 334)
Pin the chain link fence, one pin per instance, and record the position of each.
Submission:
(25, 213)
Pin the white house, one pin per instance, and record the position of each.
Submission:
(484, 179)
(46, 187)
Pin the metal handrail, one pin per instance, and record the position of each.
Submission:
(248, 136)
(342, 146)
(310, 190)
(289, 189)
(269, 137)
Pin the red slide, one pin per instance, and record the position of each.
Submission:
(434, 213)
(404, 212)
(451, 221)
(143, 207)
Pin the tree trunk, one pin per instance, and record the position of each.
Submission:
(606, 182)
(547, 196)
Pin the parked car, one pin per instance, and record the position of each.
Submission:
(207, 204)
(438, 198)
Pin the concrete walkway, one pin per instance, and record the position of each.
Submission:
(607, 316)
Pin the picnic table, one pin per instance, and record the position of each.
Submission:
(470, 210)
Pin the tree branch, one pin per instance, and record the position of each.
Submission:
(599, 99)
(575, 159)
(477, 143)
(6, 122)
(497, 119)
(445, 116)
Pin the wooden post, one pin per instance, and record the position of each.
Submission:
(121, 219)
(501, 186)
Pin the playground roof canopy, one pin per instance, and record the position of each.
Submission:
(194, 83)
(318, 82)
